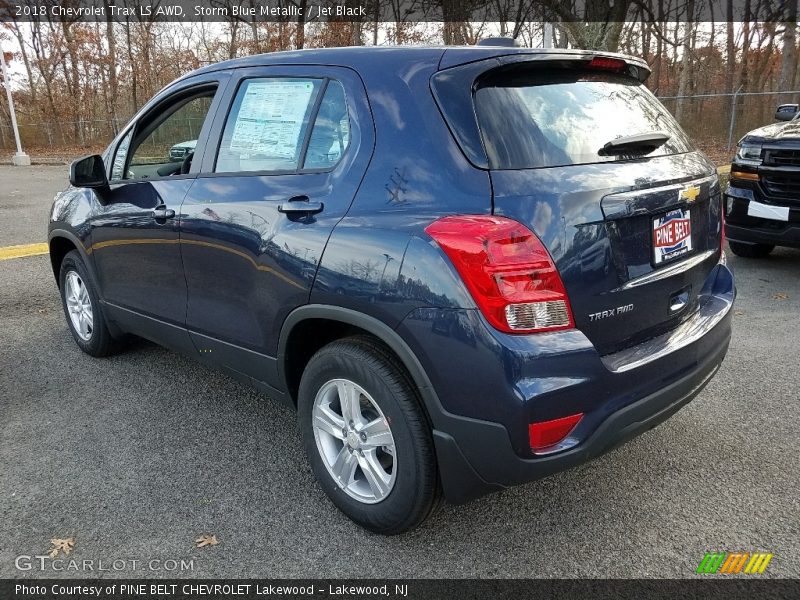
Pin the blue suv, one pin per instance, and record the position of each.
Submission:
(467, 268)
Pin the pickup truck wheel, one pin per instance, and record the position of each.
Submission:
(82, 308)
(366, 436)
(751, 250)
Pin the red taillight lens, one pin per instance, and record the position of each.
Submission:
(544, 434)
(507, 270)
(604, 63)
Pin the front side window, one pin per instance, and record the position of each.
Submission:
(164, 144)
(549, 118)
(267, 125)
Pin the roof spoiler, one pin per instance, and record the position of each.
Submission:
(508, 55)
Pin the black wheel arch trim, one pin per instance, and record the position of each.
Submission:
(371, 325)
(71, 237)
(460, 482)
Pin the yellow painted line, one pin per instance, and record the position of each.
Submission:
(9, 252)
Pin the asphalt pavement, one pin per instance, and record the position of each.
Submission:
(135, 457)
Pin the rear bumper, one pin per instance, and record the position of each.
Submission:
(745, 229)
(477, 456)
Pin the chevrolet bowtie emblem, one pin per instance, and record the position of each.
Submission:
(689, 193)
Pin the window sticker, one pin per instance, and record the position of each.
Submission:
(271, 117)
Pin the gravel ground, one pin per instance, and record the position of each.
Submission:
(137, 455)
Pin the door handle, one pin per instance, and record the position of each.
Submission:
(162, 213)
(300, 204)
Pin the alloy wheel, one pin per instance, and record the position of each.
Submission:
(354, 440)
(79, 306)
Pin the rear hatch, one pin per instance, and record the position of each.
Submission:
(593, 164)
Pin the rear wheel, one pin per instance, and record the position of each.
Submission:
(82, 308)
(366, 437)
(750, 250)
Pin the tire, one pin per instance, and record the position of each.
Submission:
(359, 367)
(750, 250)
(78, 290)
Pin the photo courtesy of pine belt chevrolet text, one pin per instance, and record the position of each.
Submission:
(466, 268)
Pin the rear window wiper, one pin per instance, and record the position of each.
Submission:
(641, 143)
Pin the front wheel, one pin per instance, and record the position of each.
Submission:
(366, 436)
(751, 250)
(82, 308)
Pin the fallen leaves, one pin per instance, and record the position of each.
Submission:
(780, 296)
(64, 545)
(206, 540)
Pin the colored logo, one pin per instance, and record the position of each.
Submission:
(672, 235)
(734, 562)
(689, 193)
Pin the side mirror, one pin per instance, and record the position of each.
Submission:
(88, 172)
(786, 112)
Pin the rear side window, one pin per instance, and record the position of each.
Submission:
(549, 118)
(267, 125)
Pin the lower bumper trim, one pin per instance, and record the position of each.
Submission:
(488, 463)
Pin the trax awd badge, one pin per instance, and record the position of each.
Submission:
(611, 312)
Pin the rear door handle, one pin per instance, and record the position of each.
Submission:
(300, 204)
(162, 213)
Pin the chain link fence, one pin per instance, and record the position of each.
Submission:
(714, 121)
(720, 120)
(52, 135)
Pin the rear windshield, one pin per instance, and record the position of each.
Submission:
(552, 118)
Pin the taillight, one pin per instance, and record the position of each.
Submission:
(544, 434)
(603, 63)
(507, 270)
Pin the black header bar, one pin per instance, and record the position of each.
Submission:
(391, 11)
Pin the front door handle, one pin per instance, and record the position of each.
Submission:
(300, 204)
(162, 213)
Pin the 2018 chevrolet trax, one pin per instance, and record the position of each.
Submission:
(467, 268)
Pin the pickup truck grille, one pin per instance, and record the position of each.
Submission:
(783, 186)
(782, 158)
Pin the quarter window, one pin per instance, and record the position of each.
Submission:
(331, 133)
(121, 157)
(268, 124)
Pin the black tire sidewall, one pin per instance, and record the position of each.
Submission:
(415, 483)
(99, 342)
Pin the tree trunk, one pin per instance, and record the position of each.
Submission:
(685, 76)
(73, 79)
(300, 33)
(455, 14)
(788, 50)
(112, 69)
(134, 70)
(26, 61)
(730, 47)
